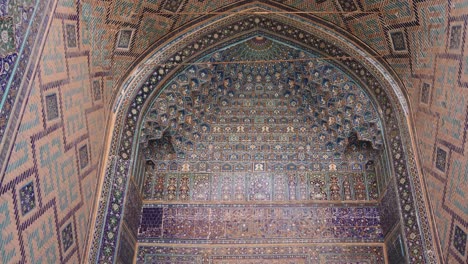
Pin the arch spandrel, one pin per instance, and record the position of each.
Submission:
(147, 80)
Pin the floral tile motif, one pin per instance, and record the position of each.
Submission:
(27, 198)
(7, 37)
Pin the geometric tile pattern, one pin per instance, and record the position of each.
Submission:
(42, 242)
(151, 221)
(173, 6)
(428, 34)
(22, 23)
(44, 199)
(9, 239)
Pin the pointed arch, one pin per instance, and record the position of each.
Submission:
(164, 60)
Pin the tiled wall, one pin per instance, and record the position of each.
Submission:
(48, 187)
(128, 236)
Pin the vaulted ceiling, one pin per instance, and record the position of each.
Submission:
(262, 106)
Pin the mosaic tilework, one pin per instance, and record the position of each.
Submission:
(347, 5)
(126, 250)
(7, 36)
(52, 197)
(151, 221)
(125, 38)
(459, 240)
(172, 6)
(27, 198)
(398, 41)
(425, 93)
(395, 249)
(239, 143)
(234, 224)
(71, 36)
(97, 90)
(389, 213)
(132, 209)
(83, 156)
(275, 254)
(67, 237)
(260, 186)
(52, 106)
(455, 37)
(441, 159)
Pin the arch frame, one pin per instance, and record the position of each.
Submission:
(380, 81)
